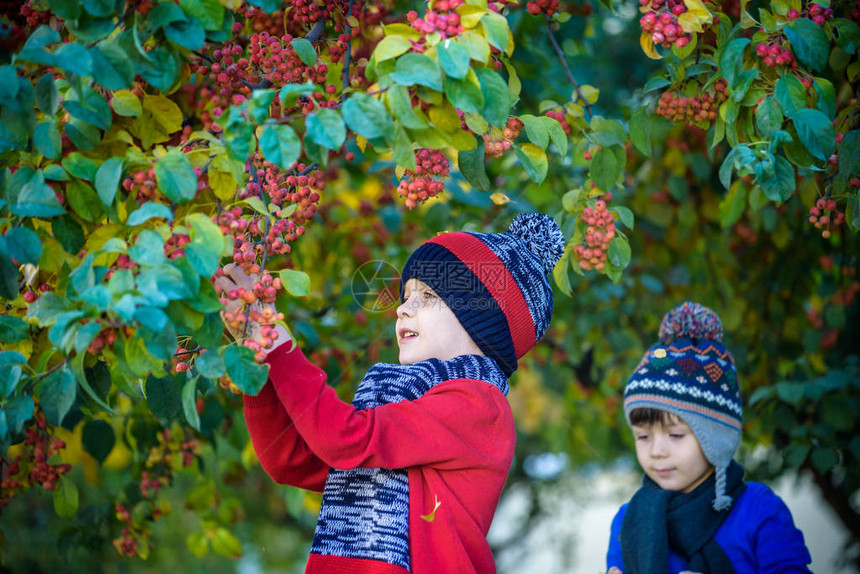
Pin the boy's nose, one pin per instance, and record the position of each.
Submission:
(658, 447)
(407, 308)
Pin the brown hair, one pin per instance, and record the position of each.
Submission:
(647, 417)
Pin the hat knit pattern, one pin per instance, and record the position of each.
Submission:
(495, 283)
(691, 374)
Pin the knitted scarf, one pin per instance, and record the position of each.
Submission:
(658, 520)
(365, 511)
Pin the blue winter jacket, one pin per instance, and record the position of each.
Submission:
(758, 536)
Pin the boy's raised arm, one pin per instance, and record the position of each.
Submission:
(454, 425)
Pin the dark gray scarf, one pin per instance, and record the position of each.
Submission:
(658, 520)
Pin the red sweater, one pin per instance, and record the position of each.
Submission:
(457, 442)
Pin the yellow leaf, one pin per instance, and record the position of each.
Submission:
(500, 198)
(353, 22)
(697, 8)
(361, 142)
(470, 14)
(647, 44)
(231, 4)
(689, 23)
(590, 93)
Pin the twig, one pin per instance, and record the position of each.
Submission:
(29, 388)
(264, 83)
(347, 54)
(564, 65)
(317, 31)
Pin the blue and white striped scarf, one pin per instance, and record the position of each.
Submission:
(365, 511)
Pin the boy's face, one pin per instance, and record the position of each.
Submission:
(671, 455)
(428, 329)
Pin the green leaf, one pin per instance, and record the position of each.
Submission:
(91, 109)
(496, 30)
(826, 97)
(57, 394)
(189, 403)
(768, 117)
(640, 130)
(367, 116)
(164, 395)
(732, 60)
(305, 51)
(83, 135)
(74, 58)
(19, 409)
(412, 69)
(163, 14)
(809, 43)
(80, 166)
(847, 36)
(849, 154)
(401, 107)
(607, 132)
(82, 198)
(790, 94)
(207, 244)
(281, 146)
(34, 48)
(9, 83)
(13, 329)
(125, 103)
(226, 544)
(453, 57)
(24, 245)
(536, 130)
(619, 252)
(147, 211)
(824, 459)
(402, 151)
(47, 139)
(175, 176)
(604, 170)
(112, 67)
(69, 233)
(197, 543)
(107, 179)
(326, 128)
(211, 364)
(471, 164)
(657, 83)
(99, 8)
(733, 204)
(391, 47)
(533, 159)
(781, 186)
(465, 94)
(47, 308)
(148, 249)
(66, 498)
(8, 278)
(297, 283)
(290, 93)
(816, 132)
(497, 97)
(98, 439)
(47, 95)
(188, 34)
(37, 199)
(625, 216)
(244, 371)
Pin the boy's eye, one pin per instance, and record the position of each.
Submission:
(429, 295)
(641, 437)
(677, 435)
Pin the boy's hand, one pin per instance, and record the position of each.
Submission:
(615, 570)
(235, 278)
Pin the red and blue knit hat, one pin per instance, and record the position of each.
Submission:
(691, 374)
(495, 283)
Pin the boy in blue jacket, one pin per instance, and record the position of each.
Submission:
(694, 512)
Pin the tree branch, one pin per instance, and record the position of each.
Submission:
(347, 54)
(564, 65)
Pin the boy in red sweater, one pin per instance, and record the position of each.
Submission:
(412, 470)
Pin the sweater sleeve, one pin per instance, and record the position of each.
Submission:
(282, 452)
(613, 555)
(457, 424)
(779, 545)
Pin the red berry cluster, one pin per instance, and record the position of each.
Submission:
(772, 55)
(32, 467)
(135, 532)
(661, 21)
(257, 308)
(34, 16)
(494, 147)
(598, 235)
(815, 12)
(826, 216)
(442, 18)
(160, 463)
(422, 184)
(548, 7)
(143, 184)
(702, 108)
(227, 69)
(560, 117)
(278, 62)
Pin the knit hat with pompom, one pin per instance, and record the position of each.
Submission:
(495, 283)
(691, 374)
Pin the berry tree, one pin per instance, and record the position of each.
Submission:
(146, 144)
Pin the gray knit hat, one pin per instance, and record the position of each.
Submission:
(691, 374)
